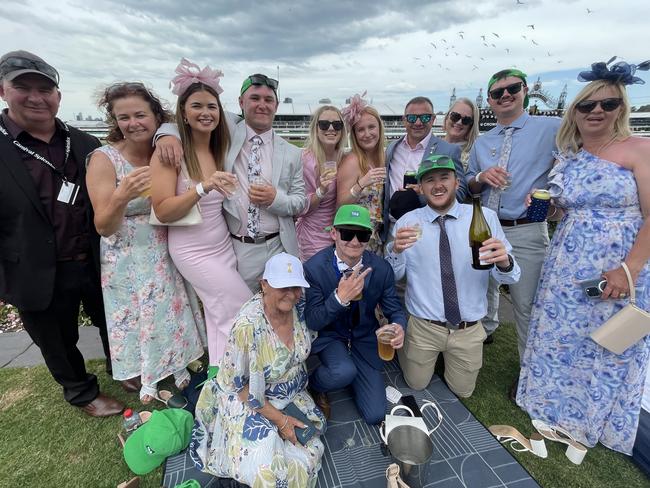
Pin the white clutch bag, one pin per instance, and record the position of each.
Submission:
(193, 217)
(626, 327)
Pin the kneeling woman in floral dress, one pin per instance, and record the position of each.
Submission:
(240, 430)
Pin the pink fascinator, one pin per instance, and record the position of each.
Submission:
(189, 73)
(352, 113)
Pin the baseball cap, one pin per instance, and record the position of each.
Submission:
(283, 271)
(435, 161)
(165, 434)
(355, 215)
(17, 63)
(504, 73)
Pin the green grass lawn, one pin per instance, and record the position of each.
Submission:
(45, 443)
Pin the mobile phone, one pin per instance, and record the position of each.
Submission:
(593, 288)
(410, 178)
(409, 401)
(302, 434)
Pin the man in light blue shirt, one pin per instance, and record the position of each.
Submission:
(445, 295)
(505, 164)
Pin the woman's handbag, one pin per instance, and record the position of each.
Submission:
(626, 327)
(193, 217)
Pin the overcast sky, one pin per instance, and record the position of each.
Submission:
(394, 49)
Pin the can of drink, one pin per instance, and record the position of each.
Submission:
(540, 201)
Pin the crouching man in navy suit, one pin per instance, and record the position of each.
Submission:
(347, 282)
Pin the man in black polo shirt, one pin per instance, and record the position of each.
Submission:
(48, 245)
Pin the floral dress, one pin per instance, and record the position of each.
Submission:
(234, 441)
(567, 379)
(372, 197)
(152, 321)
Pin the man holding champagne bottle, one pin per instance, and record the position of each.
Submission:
(445, 290)
(347, 283)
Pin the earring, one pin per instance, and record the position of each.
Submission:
(185, 120)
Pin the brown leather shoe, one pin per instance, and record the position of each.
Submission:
(321, 401)
(103, 406)
(132, 385)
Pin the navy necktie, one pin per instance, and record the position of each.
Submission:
(449, 293)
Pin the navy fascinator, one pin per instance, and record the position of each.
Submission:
(620, 72)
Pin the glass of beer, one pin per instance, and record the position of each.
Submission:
(385, 335)
(415, 227)
(328, 167)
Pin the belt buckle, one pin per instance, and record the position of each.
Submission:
(259, 240)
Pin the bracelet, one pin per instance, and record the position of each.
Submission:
(478, 175)
(286, 421)
(319, 194)
(361, 187)
(200, 191)
(353, 193)
(552, 213)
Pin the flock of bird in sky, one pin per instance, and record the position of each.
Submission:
(488, 40)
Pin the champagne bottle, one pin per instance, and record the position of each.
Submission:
(479, 231)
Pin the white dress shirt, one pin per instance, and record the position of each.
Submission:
(421, 265)
(405, 158)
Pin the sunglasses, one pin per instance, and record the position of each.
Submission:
(607, 104)
(348, 234)
(14, 64)
(337, 125)
(465, 120)
(413, 118)
(512, 89)
(263, 80)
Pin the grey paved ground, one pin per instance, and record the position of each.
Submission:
(18, 350)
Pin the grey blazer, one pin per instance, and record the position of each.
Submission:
(435, 146)
(287, 179)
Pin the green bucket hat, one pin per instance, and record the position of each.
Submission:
(355, 215)
(435, 161)
(499, 75)
(165, 434)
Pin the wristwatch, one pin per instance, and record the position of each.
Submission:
(477, 176)
(507, 269)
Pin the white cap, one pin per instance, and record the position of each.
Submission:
(283, 271)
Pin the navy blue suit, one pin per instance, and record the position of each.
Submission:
(347, 348)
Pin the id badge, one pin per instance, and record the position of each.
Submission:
(68, 193)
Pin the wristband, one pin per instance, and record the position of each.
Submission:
(476, 178)
(286, 421)
(353, 193)
(361, 187)
(200, 191)
(319, 193)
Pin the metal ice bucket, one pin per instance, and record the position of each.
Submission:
(411, 450)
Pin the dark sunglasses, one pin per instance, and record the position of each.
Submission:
(337, 125)
(263, 80)
(348, 234)
(14, 64)
(512, 89)
(607, 104)
(425, 118)
(465, 120)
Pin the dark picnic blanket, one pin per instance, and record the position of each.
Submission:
(465, 454)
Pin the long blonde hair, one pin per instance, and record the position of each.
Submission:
(219, 138)
(377, 156)
(568, 137)
(472, 133)
(314, 145)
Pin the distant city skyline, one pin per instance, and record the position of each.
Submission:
(392, 49)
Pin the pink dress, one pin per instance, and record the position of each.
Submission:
(311, 223)
(204, 255)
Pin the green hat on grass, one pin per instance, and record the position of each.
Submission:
(435, 161)
(354, 215)
(499, 75)
(165, 434)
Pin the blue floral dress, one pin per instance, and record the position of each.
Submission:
(154, 321)
(566, 378)
(232, 440)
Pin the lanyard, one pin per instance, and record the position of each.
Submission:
(38, 156)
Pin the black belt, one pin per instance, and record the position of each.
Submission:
(77, 257)
(254, 240)
(513, 223)
(461, 326)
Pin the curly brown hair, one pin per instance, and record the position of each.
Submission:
(128, 89)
